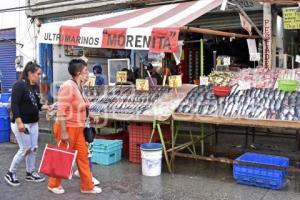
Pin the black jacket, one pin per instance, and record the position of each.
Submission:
(25, 102)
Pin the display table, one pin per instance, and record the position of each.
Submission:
(217, 120)
(160, 112)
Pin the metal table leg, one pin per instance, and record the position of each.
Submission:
(246, 137)
(253, 134)
(202, 139)
(216, 133)
(173, 144)
(164, 146)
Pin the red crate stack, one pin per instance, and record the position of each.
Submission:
(140, 133)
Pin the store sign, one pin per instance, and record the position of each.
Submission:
(121, 76)
(246, 24)
(291, 18)
(267, 32)
(152, 39)
(142, 84)
(297, 59)
(155, 40)
(175, 81)
(254, 57)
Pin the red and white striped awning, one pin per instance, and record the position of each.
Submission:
(153, 28)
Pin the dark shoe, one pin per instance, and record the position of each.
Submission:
(34, 177)
(11, 179)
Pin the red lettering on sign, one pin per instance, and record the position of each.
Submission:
(114, 38)
(164, 40)
(68, 35)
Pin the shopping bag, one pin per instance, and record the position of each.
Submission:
(58, 161)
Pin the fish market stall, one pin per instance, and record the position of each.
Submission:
(125, 103)
(267, 105)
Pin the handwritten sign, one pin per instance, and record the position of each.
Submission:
(203, 80)
(175, 81)
(297, 59)
(244, 85)
(121, 76)
(254, 56)
(291, 18)
(91, 81)
(226, 61)
(142, 85)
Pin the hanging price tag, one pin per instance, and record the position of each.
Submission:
(121, 76)
(142, 85)
(254, 57)
(203, 80)
(226, 61)
(297, 59)
(175, 81)
(244, 85)
(90, 82)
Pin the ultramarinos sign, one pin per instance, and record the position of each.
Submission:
(153, 39)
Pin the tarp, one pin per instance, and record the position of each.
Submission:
(152, 28)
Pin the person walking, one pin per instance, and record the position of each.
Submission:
(25, 106)
(68, 128)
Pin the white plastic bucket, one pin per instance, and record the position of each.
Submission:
(151, 159)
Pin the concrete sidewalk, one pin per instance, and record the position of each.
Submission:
(192, 180)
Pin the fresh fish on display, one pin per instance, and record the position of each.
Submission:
(125, 100)
(262, 103)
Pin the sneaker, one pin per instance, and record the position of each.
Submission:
(57, 190)
(34, 177)
(11, 179)
(95, 181)
(95, 190)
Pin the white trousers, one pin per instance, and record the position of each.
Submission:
(28, 145)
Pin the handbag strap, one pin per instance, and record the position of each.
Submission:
(80, 91)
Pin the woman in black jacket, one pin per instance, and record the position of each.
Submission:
(25, 105)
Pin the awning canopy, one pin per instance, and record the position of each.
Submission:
(153, 28)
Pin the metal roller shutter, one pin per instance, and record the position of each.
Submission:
(7, 58)
(226, 20)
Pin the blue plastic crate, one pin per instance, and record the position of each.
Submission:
(106, 158)
(5, 97)
(106, 146)
(106, 152)
(4, 136)
(261, 177)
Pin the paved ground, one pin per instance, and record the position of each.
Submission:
(192, 180)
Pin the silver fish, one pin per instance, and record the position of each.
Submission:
(229, 109)
(205, 110)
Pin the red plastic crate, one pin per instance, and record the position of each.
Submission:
(140, 133)
(135, 153)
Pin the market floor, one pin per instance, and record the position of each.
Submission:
(192, 180)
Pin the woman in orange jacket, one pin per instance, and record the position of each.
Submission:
(71, 118)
